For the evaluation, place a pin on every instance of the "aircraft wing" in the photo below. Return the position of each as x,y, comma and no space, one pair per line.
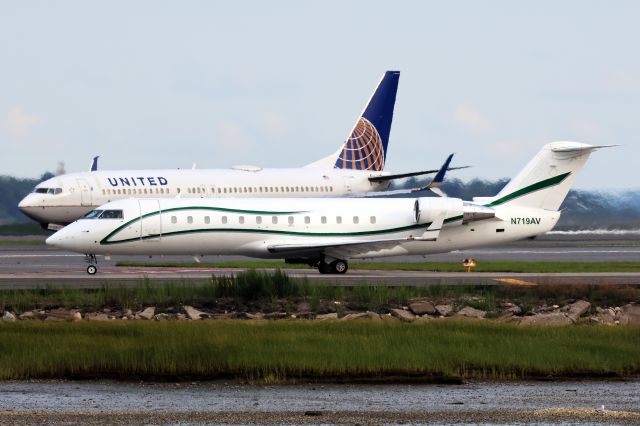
341,248
338,248
406,175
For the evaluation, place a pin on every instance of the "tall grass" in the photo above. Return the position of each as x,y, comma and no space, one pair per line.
312,350
262,287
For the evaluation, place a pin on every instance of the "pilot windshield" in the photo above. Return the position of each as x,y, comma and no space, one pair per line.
92,214
51,191
111,214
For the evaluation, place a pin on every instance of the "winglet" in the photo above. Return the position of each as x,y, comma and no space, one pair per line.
439,177
94,163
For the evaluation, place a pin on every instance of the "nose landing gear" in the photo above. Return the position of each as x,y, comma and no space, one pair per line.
93,261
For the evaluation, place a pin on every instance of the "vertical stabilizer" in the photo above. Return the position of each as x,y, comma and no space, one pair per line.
366,146
547,178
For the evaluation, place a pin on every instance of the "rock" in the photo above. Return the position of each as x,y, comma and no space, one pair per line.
76,316
324,317
304,307
577,309
194,314
605,316
8,316
444,310
59,315
356,315
470,312
550,319
147,313
162,317
97,317
276,315
27,315
629,314
509,310
422,307
247,315
403,315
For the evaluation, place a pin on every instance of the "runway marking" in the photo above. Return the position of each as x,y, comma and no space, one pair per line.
514,281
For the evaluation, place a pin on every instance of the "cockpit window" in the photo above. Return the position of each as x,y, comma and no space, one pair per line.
111,214
92,214
51,191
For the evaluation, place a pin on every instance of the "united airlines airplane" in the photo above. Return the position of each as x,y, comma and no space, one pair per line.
327,232
357,167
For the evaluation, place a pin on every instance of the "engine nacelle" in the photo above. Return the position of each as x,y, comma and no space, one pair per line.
429,209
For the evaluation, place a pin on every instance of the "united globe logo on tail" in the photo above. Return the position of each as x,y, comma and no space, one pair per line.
363,149
366,146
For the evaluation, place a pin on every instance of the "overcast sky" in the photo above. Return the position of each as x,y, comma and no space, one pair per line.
151,84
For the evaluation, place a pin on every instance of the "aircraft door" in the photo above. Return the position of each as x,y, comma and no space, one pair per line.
85,192
150,220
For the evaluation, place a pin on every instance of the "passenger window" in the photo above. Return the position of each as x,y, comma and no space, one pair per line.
372,219
274,219
338,219
241,220
224,219
178,190
207,220
174,219
104,192
331,188
323,219
307,220
356,220
189,219
290,220
258,220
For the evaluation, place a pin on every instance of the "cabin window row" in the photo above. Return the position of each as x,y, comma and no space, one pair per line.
274,220
225,190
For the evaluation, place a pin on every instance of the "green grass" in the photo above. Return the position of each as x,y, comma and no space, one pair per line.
18,242
23,229
312,350
275,290
483,266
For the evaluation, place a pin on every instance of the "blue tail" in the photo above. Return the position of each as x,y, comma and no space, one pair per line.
366,147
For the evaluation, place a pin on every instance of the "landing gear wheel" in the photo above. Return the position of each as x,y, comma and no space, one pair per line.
339,266
91,270
324,268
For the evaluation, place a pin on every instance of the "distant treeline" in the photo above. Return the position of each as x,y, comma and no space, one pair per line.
581,209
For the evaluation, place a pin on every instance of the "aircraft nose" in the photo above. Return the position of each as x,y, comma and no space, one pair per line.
56,240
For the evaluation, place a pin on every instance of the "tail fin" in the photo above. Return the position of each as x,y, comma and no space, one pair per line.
366,146
546,180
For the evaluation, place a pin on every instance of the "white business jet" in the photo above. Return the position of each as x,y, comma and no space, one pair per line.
327,232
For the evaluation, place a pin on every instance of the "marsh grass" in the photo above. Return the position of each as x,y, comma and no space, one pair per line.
280,350
264,288
483,266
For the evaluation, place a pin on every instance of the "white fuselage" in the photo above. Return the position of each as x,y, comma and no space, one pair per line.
63,199
254,227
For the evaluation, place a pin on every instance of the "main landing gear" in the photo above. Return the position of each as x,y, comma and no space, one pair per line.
338,266
93,261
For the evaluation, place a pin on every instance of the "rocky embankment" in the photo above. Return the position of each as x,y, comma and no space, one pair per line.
576,312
